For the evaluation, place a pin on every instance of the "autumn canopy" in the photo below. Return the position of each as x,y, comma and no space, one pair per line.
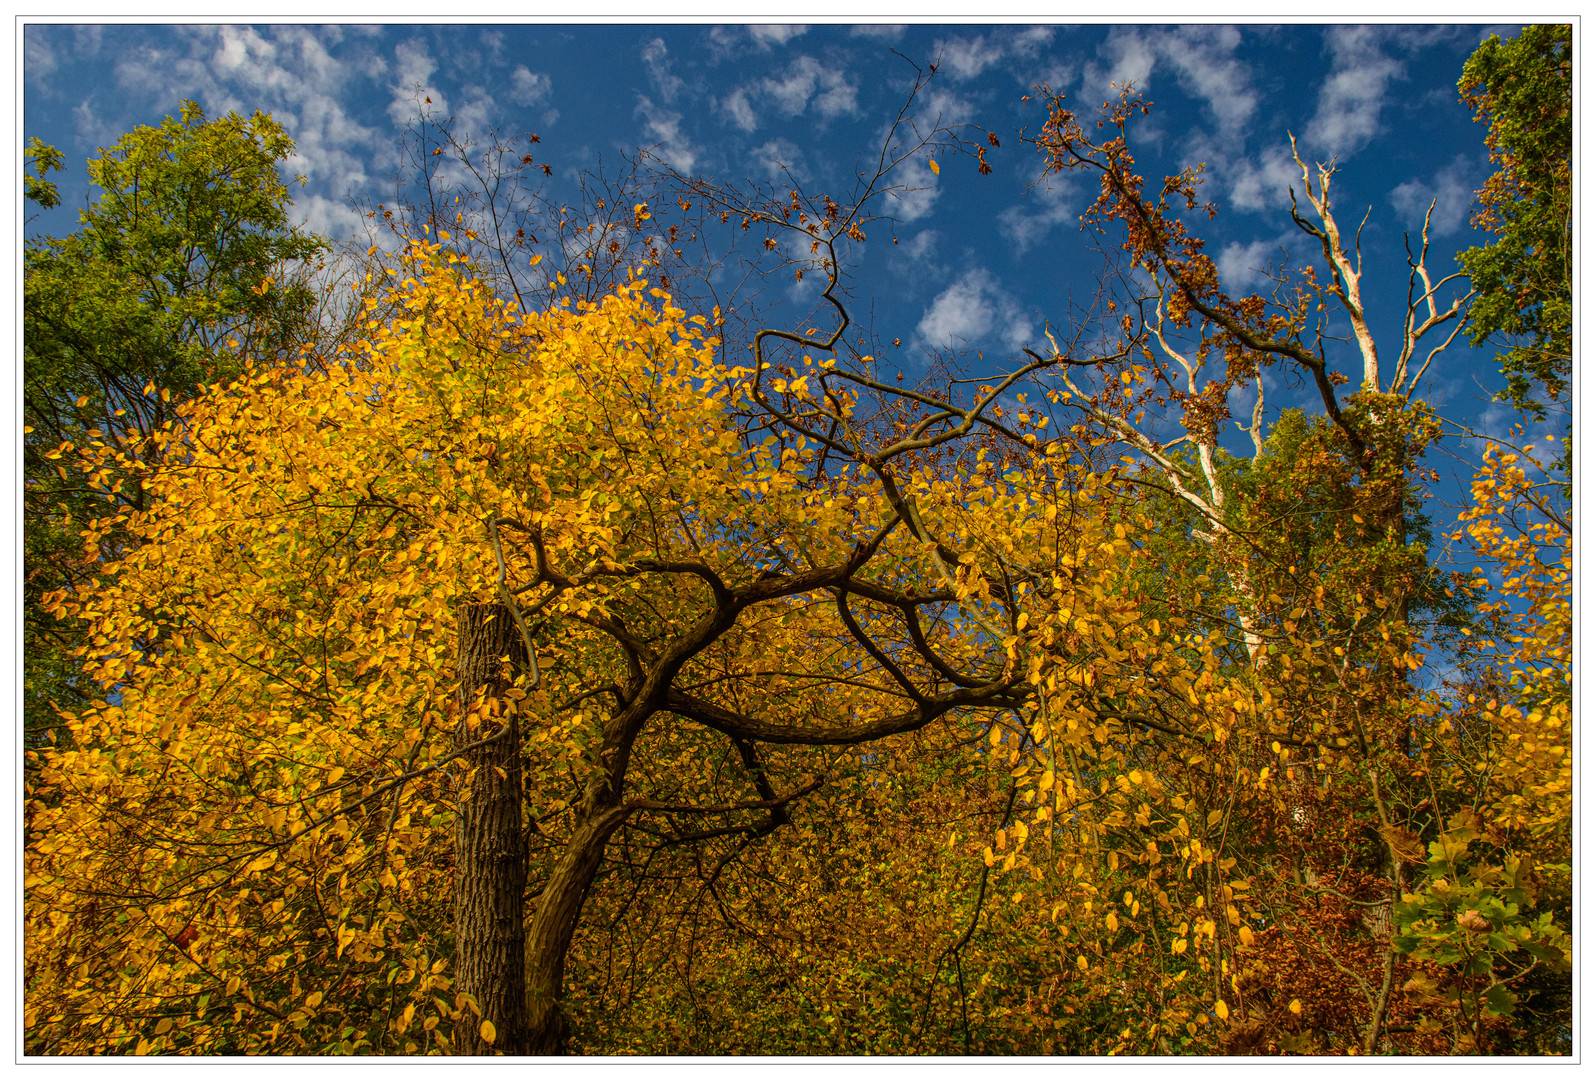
504,678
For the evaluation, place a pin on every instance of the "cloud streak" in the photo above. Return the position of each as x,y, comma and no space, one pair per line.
1352,97
972,309
1451,193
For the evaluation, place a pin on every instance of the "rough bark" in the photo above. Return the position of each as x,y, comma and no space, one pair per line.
490,848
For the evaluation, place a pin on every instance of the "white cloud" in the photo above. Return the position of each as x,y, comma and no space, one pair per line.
1262,184
961,314
1030,41
1239,265
838,95
965,58
529,87
1130,60
1500,420
91,128
657,60
1354,93
913,193
1204,57
970,310
729,41
475,115
780,157
793,89
413,69
663,129
944,107
879,31
149,72
1453,196
1026,224
287,72
330,217
293,76
38,59
767,35
326,145
86,41
968,57
741,112
922,249
361,59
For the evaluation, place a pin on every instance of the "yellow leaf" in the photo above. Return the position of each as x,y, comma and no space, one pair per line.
487,1032
1222,1010
988,856
1295,1006
935,169
1080,962
1245,935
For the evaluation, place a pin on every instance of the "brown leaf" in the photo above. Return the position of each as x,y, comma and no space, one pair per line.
1405,842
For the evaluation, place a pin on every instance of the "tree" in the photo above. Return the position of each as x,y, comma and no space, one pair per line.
284,624
44,159
183,263
1523,90
789,707
1495,910
1328,568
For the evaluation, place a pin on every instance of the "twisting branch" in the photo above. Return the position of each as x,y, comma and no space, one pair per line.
508,599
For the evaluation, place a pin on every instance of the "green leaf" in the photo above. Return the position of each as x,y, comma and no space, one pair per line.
1499,1000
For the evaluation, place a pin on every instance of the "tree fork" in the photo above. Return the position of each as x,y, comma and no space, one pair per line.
490,848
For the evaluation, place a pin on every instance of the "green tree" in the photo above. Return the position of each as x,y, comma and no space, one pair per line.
43,159
1523,89
180,264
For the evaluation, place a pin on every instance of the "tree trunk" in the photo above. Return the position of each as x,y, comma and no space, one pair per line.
490,848
555,924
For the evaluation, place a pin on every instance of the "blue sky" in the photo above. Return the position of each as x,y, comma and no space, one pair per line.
980,262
